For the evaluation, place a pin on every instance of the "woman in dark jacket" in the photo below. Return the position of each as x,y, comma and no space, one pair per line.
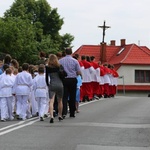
55,85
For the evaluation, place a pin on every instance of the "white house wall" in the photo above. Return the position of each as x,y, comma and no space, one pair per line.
128,73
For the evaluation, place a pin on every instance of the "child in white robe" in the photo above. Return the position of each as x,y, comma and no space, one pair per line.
6,84
14,73
40,88
33,103
21,89
4,67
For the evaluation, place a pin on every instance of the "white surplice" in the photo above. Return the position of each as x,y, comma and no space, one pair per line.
6,98
41,90
22,89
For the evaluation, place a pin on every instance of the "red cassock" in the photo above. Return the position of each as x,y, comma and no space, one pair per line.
102,73
106,81
86,89
96,79
115,78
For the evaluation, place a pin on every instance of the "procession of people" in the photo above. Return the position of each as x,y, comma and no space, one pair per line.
39,90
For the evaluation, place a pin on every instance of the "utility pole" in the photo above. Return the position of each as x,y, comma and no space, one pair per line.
104,27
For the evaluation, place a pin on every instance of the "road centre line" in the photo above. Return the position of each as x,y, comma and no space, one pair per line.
16,124
18,127
10,126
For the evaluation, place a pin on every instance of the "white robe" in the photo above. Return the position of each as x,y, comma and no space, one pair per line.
22,89
6,84
14,98
40,88
23,83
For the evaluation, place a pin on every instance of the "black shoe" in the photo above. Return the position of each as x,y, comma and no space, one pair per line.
105,96
37,113
72,116
51,120
112,95
41,119
100,96
87,99
60,118
45,115
3,120
14,113
18,118
84,98
64,116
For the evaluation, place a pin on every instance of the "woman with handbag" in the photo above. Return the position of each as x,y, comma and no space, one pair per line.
55,85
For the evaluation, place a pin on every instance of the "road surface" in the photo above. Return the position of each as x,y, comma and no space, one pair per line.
120,123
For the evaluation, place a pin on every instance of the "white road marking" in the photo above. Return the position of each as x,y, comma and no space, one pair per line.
16,124
21,122
18,127
93,101
98,147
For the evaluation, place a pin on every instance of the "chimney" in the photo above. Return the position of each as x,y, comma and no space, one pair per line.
123,42
112,42
103,52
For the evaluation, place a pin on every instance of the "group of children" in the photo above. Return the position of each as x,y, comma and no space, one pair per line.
22,94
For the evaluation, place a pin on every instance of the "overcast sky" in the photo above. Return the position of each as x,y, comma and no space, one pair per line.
128,19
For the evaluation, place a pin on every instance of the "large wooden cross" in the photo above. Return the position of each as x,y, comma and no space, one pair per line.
104,27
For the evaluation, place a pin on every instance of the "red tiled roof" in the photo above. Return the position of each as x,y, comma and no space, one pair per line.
117,55
89,50
132,54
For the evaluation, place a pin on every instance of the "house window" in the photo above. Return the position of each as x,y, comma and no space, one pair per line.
142,76
122,49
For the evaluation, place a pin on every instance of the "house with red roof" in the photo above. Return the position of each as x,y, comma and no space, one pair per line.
131,61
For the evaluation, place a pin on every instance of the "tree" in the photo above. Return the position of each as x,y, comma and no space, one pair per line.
31,26
39,11
66,41
17,38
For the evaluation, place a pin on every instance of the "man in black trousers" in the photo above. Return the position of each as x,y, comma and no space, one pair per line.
72,67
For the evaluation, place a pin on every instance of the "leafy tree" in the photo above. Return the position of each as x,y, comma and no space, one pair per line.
66,41
17,38
30,26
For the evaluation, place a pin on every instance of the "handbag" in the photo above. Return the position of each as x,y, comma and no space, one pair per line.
62,73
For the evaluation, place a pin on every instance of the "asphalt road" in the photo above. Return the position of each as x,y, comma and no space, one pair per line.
120,123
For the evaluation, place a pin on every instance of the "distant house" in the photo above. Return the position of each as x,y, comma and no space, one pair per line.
131,61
